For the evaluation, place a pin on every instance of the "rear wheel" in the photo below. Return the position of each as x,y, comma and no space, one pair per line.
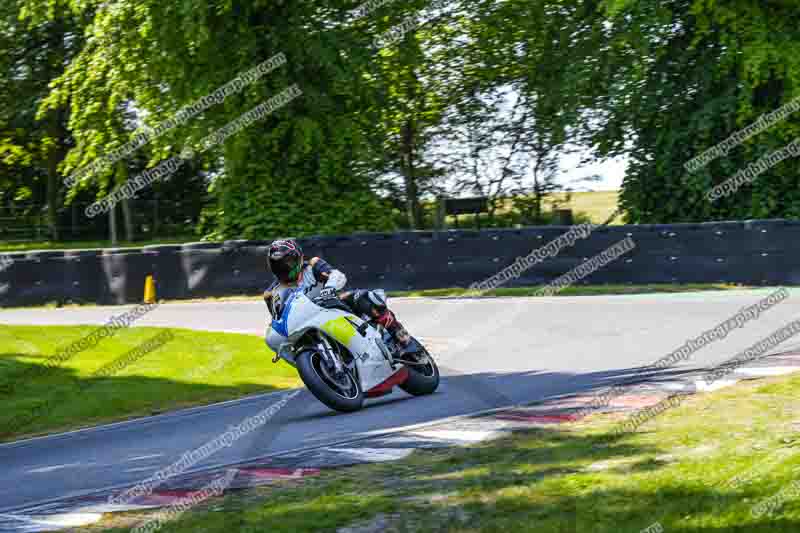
423,378
339,392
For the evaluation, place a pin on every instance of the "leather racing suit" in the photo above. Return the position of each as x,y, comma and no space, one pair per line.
317,277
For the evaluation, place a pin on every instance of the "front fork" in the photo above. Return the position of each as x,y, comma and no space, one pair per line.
284,346
326,350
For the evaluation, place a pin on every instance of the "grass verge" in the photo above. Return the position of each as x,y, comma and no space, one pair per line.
192,368
700,467
578,290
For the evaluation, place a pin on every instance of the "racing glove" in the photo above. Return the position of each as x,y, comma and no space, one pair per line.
336,280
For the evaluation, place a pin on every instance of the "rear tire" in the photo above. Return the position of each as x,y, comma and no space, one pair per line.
308,366
422,380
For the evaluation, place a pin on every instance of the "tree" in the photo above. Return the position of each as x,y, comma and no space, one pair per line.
518,114
292,173
32,146
687,75
416,80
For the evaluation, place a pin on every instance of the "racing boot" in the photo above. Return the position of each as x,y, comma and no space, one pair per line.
386,318
372,304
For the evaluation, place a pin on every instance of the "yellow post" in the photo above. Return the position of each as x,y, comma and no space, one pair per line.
149,290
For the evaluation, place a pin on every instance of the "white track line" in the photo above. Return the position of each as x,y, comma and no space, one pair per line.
702,386
768,370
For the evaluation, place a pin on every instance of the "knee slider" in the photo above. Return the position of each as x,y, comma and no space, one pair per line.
370,302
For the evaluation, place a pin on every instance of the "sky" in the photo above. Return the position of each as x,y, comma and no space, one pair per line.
612,170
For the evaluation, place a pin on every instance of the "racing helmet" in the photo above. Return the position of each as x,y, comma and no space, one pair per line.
285,260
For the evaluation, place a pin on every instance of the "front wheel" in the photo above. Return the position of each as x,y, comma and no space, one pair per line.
341,393
422,378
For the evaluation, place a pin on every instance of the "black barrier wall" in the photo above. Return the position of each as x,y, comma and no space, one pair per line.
762,252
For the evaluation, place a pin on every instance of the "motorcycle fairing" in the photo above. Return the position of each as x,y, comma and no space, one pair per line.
300,314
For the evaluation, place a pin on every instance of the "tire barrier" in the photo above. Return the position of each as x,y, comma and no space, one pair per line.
757,252
84,269
124,272
167,266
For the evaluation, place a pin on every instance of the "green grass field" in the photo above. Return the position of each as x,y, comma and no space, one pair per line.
194,368
597,205
698,468
576,290
593,206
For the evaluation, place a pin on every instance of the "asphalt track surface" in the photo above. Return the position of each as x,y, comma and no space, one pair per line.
493,353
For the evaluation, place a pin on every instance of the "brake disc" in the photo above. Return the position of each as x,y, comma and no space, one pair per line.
342,380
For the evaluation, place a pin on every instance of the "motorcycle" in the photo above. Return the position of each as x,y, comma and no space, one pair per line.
343,358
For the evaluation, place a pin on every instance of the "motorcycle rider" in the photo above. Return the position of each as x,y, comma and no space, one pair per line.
321,282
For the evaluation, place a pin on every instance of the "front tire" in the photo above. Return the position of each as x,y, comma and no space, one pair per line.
338,398
422,380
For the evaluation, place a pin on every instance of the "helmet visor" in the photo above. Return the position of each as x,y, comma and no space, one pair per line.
286,267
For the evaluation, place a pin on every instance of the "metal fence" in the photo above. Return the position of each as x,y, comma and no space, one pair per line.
150,219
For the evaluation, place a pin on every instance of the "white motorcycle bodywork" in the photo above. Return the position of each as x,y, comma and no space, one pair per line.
300,314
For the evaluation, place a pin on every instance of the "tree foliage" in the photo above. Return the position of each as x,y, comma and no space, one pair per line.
687,75
381,127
